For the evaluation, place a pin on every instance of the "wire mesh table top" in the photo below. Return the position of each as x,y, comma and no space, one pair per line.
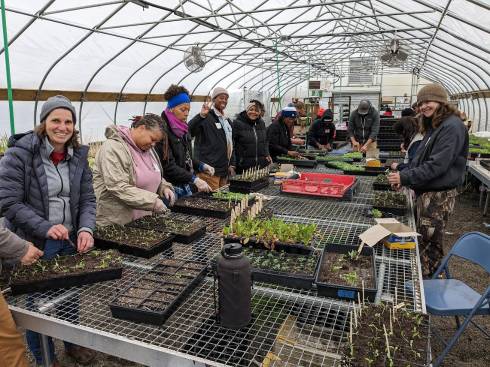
300,327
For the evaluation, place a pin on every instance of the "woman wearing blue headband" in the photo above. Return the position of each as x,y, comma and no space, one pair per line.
178,166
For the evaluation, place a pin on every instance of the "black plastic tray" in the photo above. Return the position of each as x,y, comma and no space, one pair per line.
135,251
295,248
397,210
345,291
485,164
66,281
285,279
154,317
246,187
381,187
307,163
182,237
214,213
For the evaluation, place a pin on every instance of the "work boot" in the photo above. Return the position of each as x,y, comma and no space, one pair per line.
80,354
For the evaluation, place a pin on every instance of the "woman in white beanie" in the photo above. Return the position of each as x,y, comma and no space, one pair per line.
213,143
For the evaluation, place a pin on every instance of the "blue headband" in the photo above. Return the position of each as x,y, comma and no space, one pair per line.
178,99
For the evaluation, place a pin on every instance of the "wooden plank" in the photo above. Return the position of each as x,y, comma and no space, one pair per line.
30,95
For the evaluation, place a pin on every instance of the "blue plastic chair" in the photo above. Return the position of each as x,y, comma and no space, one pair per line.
452,297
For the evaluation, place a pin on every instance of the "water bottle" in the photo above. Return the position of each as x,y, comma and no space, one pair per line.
234,287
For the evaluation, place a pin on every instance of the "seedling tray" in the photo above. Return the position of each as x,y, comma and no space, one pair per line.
395,208
162,223
284,278
162,244
209,196
320,184
204,207
381,187
248,186
293,248
153,308
57,279
307,163
485,164
345,291
368,171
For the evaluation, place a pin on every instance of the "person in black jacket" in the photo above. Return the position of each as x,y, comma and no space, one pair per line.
278,134
178,166
363,126
213,143
322,132
250,138
436,171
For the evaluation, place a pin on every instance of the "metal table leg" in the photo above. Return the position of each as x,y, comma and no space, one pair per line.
45,350
486,202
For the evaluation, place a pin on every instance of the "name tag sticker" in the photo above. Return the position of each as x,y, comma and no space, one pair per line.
218,125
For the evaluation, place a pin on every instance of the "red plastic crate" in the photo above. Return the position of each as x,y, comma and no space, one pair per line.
319,184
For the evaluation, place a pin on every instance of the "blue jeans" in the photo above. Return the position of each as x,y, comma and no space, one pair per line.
52,248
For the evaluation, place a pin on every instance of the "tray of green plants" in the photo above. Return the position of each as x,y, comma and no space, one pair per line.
345,273
158,293
283,268
333,158
203,206
391,202
355,156
299,162
381,183
384,335
232,197
184,231
250,180
134,241
271,233
67,271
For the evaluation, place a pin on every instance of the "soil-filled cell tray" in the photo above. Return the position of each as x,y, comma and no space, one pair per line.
133,241
375,328
485,164
282,268
231,197
381,183
342,271
307,163
247,187
157,294
368,171
67,271
184,231
204,207
390,202
319,184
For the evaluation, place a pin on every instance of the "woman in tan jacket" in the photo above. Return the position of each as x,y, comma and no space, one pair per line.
128,179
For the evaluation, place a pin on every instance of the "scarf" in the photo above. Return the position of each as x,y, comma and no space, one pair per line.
178,127
227,130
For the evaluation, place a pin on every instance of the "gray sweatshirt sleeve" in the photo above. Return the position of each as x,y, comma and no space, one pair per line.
11,245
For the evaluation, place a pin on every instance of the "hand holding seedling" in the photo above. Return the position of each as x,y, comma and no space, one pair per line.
394,178
32,255
85,242
58,232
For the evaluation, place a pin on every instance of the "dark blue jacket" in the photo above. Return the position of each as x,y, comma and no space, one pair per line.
322,131
24,189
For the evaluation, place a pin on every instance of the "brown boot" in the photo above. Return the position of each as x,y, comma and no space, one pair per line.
80,354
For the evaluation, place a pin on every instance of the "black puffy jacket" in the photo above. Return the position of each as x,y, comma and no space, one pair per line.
322,131
179,166
278,138
210,143
249,142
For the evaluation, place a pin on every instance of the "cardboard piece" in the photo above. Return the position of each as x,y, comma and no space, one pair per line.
286,167
383,228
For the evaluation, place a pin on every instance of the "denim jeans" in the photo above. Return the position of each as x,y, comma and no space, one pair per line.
52,248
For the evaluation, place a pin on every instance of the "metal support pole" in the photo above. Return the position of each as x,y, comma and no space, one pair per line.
7,69
45,350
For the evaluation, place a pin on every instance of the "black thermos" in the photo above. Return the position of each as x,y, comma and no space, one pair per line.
234,287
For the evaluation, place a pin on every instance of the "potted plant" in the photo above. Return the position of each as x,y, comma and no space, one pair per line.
67,271
133,241
184,231
346,273
157,294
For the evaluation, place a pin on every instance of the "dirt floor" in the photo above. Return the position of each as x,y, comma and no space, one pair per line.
472,349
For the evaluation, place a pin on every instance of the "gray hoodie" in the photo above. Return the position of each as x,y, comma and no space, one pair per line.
12,247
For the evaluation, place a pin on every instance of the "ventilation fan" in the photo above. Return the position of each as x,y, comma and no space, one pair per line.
194,58
394,55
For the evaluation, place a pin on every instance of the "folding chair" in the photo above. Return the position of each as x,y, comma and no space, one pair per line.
452,297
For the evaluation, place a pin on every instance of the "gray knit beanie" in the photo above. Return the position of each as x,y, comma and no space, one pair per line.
432,92
217,91
55,102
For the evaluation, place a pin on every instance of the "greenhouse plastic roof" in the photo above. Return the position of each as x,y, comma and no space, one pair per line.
138,46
